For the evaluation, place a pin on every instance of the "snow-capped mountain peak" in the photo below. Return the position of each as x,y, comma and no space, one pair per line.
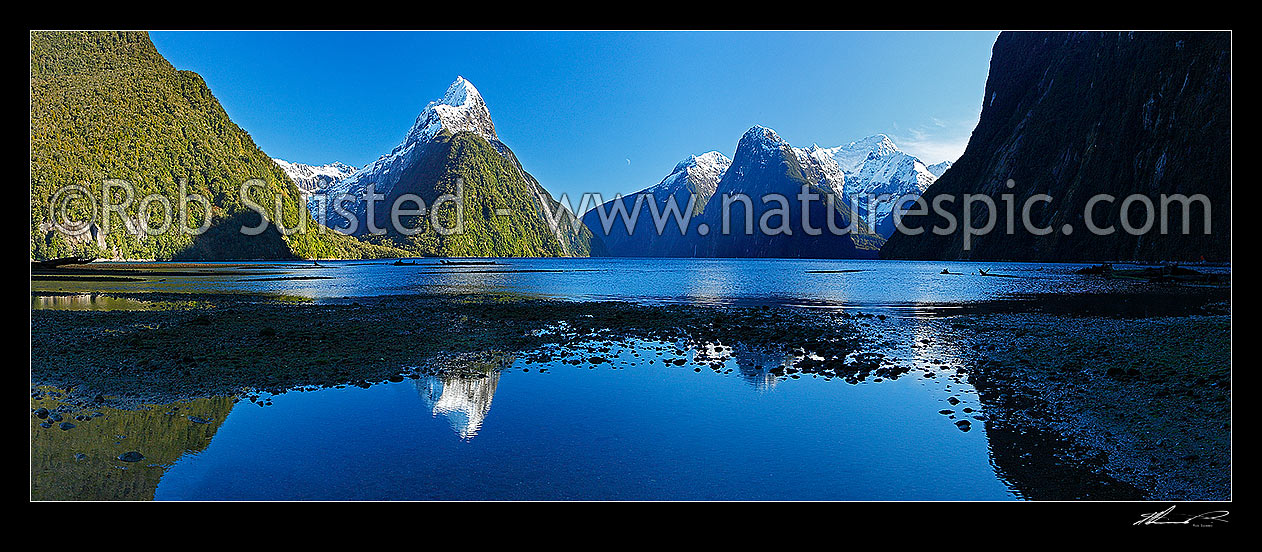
699,174
851,157
460,109
761,137
880,144
761,148
709,165
459,93
875,167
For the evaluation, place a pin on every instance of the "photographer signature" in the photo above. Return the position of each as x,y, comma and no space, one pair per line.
1199,520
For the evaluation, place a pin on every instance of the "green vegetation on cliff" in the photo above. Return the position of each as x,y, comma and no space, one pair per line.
503,214
107,106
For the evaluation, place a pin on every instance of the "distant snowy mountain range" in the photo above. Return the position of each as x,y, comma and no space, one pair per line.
855,173
311,178
858,173
863,175
874,167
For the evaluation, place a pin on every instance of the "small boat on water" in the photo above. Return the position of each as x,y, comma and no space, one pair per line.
467,263
402,262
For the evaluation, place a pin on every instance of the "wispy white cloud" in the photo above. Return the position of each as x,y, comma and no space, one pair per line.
936,140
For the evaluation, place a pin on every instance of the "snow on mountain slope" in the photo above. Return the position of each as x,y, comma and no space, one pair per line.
460,109
451,134
938,168
762,146
695,178
863,169
851,157
698,174
771,173
313,178
874,167
831,177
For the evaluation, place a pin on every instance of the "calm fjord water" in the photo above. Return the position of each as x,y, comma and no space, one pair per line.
791,282
643,432
632,429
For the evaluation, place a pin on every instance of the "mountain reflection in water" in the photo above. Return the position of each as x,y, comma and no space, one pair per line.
464,400
82,463
754,365
650,420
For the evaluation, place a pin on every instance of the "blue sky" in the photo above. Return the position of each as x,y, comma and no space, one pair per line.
595,112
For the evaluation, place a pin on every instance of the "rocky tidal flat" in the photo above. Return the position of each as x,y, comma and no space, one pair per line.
1076,403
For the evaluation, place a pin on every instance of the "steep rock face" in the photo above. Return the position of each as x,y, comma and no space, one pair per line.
692,182
1073,115
452,148
765,166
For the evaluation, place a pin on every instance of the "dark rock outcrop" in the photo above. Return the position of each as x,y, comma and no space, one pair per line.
1073,115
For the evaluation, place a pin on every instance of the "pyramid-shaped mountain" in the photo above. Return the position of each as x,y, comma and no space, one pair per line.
765,168
452,148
